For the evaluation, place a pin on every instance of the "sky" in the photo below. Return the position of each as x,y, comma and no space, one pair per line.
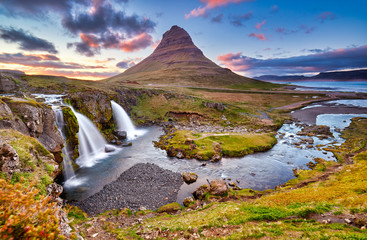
96,39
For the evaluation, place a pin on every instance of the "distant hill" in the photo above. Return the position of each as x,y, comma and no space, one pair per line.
355,75
177,61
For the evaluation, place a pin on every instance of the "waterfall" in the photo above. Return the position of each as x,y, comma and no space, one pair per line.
124,122
68,169
91,142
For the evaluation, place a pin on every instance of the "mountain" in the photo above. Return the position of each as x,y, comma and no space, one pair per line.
177,61
354,75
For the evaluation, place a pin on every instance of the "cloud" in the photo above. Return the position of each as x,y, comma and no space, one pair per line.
239,19
322,17
348,58
26,40
307,29
210,4
98,23
140,42
259,25
302,28
259,36
217,19
42,61
125,64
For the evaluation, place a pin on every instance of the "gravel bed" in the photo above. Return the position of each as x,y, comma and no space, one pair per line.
144,185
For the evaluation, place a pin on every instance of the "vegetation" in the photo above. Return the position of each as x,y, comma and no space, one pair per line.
27,214
206,145
71,129
35,160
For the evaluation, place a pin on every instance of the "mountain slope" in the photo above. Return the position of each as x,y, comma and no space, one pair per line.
177,61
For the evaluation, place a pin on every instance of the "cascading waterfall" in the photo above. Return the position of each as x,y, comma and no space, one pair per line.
124,122
91,142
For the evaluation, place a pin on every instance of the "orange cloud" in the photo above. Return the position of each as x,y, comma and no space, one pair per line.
140,42
229,56
90,40
259,36
259,25
209,4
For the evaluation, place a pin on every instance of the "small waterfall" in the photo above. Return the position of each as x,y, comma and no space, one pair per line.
124,122
68,169
91,143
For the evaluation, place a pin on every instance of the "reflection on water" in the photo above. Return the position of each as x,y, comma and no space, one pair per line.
258,171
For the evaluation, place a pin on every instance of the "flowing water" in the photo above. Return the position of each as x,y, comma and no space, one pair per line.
124,122
258,171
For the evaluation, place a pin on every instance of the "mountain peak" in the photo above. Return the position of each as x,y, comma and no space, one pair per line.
177,60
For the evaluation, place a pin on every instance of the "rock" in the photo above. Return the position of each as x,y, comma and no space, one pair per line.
189,177
201,191
216,157
180,155
121,135
189,141
347,220
188,201
170,208
9,160
218,187
54,190
129,144
218,106
7,83
109,148
171,152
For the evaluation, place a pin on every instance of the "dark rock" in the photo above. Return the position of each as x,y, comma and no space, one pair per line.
201,191
121,135
189,177
180,155
7,83
188,201
129,144
54,190
9,160
218,187
216,157
171,152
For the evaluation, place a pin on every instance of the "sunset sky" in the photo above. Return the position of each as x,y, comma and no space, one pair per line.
95,39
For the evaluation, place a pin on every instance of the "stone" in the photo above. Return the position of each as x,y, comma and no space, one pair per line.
189,177
189,141
180,155
121,135
218,187
129,144
201,191
188,201
9,160
216,157
54,190
109,148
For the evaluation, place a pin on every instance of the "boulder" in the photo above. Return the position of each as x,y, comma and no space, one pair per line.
188,201
180,155
9,160
189,177
201,191
216,157
218,187
54,190
109,148
121,135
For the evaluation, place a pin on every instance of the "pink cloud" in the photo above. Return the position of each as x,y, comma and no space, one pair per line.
90,40
326,16
229,56
259,25
259,36
140,42
209,4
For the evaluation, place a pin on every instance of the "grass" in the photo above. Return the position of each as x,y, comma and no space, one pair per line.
206,145
36,163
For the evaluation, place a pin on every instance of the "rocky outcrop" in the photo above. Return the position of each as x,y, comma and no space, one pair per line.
32,119
9,80
70,130
9,160
218,187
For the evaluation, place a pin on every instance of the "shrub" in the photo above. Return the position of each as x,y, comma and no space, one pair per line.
25,214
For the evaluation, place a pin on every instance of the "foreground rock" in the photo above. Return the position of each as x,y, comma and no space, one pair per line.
189,177
143,185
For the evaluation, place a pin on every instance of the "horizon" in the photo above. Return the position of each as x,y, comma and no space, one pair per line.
99,39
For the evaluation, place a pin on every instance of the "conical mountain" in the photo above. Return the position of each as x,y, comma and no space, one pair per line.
177,61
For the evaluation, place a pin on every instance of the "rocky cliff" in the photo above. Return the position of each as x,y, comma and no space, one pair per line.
33,119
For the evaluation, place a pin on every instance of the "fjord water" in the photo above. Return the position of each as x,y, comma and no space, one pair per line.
335,86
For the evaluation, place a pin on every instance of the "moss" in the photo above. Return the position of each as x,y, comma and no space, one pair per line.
169,208
70,130
206,145
32,157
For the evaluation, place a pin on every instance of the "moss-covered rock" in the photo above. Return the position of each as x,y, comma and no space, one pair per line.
170,208
70,130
